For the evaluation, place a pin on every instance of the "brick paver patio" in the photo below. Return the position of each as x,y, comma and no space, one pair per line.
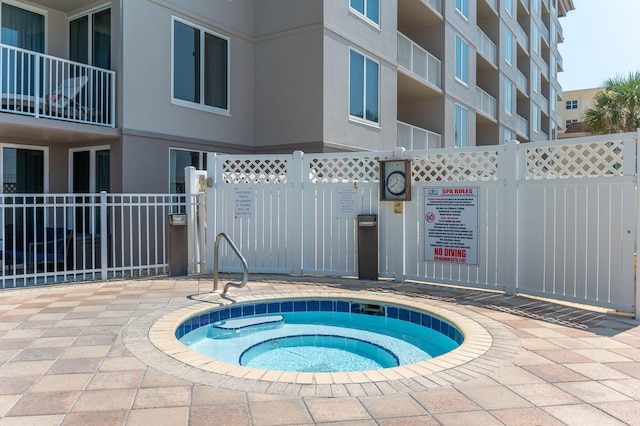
80,354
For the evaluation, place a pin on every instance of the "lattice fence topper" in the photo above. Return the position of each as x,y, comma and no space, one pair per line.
269,170
456,166
579,160
344,169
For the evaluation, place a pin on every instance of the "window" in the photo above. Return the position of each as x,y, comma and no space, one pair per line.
90,39
461,121
509,135
536,39
508,47
508,6
200,68
462,6
363,87
536,6
569,122
24,171
462,60
370,9
535,78
573,104
90,169
508,97
178,160
535,118
552,99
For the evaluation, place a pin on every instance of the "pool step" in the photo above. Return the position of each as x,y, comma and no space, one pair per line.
238,323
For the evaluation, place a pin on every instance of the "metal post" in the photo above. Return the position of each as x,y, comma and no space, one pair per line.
103,236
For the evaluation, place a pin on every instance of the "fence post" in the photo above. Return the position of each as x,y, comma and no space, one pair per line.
511,167
214,172
104,267
202,228
295,178
637,230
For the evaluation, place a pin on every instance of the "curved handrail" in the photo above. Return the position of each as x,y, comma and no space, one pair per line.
245,277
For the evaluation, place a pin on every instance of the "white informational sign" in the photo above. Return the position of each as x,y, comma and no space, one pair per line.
451,225
346,203
244,204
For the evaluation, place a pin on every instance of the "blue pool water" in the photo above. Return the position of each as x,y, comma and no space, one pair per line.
319,336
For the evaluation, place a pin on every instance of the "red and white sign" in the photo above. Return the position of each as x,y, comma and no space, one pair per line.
451,225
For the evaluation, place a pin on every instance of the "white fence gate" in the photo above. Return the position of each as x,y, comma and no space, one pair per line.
556,219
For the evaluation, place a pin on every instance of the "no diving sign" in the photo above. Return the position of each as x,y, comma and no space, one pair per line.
451,225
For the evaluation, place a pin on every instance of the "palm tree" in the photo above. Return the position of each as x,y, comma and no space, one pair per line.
616,108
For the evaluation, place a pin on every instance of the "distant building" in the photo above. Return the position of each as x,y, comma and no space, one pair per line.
572,107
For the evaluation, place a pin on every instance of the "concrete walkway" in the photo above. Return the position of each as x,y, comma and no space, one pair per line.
80,354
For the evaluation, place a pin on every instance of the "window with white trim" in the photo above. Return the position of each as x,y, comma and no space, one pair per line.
369,9
572,104
535,118
536,39
535,78
462,60
461,126
508,46
552,99
568,122
200,68
462,6
364,77
508,97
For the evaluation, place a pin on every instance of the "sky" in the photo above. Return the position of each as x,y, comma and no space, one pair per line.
601,41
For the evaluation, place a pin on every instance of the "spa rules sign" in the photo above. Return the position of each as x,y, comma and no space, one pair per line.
451,225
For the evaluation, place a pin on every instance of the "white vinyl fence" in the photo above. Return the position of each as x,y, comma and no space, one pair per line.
555,219
48,238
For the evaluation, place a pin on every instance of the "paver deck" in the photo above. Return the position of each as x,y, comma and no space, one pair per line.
81,354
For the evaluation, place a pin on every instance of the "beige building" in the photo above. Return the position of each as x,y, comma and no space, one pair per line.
572,107
121,95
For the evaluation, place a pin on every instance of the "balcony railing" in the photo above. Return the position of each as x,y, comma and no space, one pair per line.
523,39
487,48
545,33
485,103
418,61
412,137
522,126
44,86
521,82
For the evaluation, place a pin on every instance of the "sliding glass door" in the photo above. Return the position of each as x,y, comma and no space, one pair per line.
23,29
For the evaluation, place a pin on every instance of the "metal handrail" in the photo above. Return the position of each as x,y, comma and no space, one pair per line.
245,277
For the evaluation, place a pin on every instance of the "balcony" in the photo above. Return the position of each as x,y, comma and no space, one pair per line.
522,127
487,48
418,62
416,13
493,4
43,86
485,103
412,137
434,4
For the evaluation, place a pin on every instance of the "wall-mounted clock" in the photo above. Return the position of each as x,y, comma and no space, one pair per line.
395,180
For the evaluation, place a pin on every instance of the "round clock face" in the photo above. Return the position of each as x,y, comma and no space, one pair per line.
396,183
